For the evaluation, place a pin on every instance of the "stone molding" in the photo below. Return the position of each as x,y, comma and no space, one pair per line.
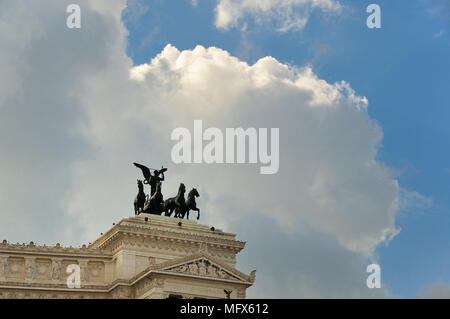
51,250
167,231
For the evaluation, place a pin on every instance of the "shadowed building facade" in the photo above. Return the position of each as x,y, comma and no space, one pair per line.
146,256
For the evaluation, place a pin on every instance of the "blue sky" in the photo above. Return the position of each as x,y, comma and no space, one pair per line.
402,68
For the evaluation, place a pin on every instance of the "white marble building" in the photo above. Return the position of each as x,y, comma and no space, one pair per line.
146,256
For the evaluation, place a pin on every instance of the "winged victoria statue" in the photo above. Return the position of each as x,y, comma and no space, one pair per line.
154,203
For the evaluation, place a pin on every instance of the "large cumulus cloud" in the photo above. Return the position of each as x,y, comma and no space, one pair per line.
328,173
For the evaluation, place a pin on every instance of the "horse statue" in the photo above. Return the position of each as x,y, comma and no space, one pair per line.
190,205
176,203
155,204
139,200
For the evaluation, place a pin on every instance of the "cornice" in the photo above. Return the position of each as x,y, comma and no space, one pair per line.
135,227
52,251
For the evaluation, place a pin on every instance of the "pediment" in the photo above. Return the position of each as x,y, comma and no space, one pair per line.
204,266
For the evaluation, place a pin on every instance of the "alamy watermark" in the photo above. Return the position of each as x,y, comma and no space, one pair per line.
374,19
74,278
74,19
374,279
236,145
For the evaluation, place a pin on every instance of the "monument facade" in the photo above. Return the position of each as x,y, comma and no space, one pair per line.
144,256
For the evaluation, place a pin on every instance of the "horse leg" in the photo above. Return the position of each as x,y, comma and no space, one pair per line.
136,209
180,212
170,209
198,213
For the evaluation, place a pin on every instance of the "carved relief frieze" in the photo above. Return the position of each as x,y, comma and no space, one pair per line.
205,268
56,270
30,269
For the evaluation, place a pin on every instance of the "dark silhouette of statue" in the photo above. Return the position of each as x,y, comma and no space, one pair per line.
190,205
176,203
152,180
155,179
155,204
145,171
228,293
139,200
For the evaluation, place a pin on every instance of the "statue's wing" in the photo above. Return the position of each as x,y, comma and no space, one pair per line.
145,170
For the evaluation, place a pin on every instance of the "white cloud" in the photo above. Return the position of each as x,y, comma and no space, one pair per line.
286,14
135,10
410,200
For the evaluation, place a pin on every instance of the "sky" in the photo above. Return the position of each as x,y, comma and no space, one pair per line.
363,117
